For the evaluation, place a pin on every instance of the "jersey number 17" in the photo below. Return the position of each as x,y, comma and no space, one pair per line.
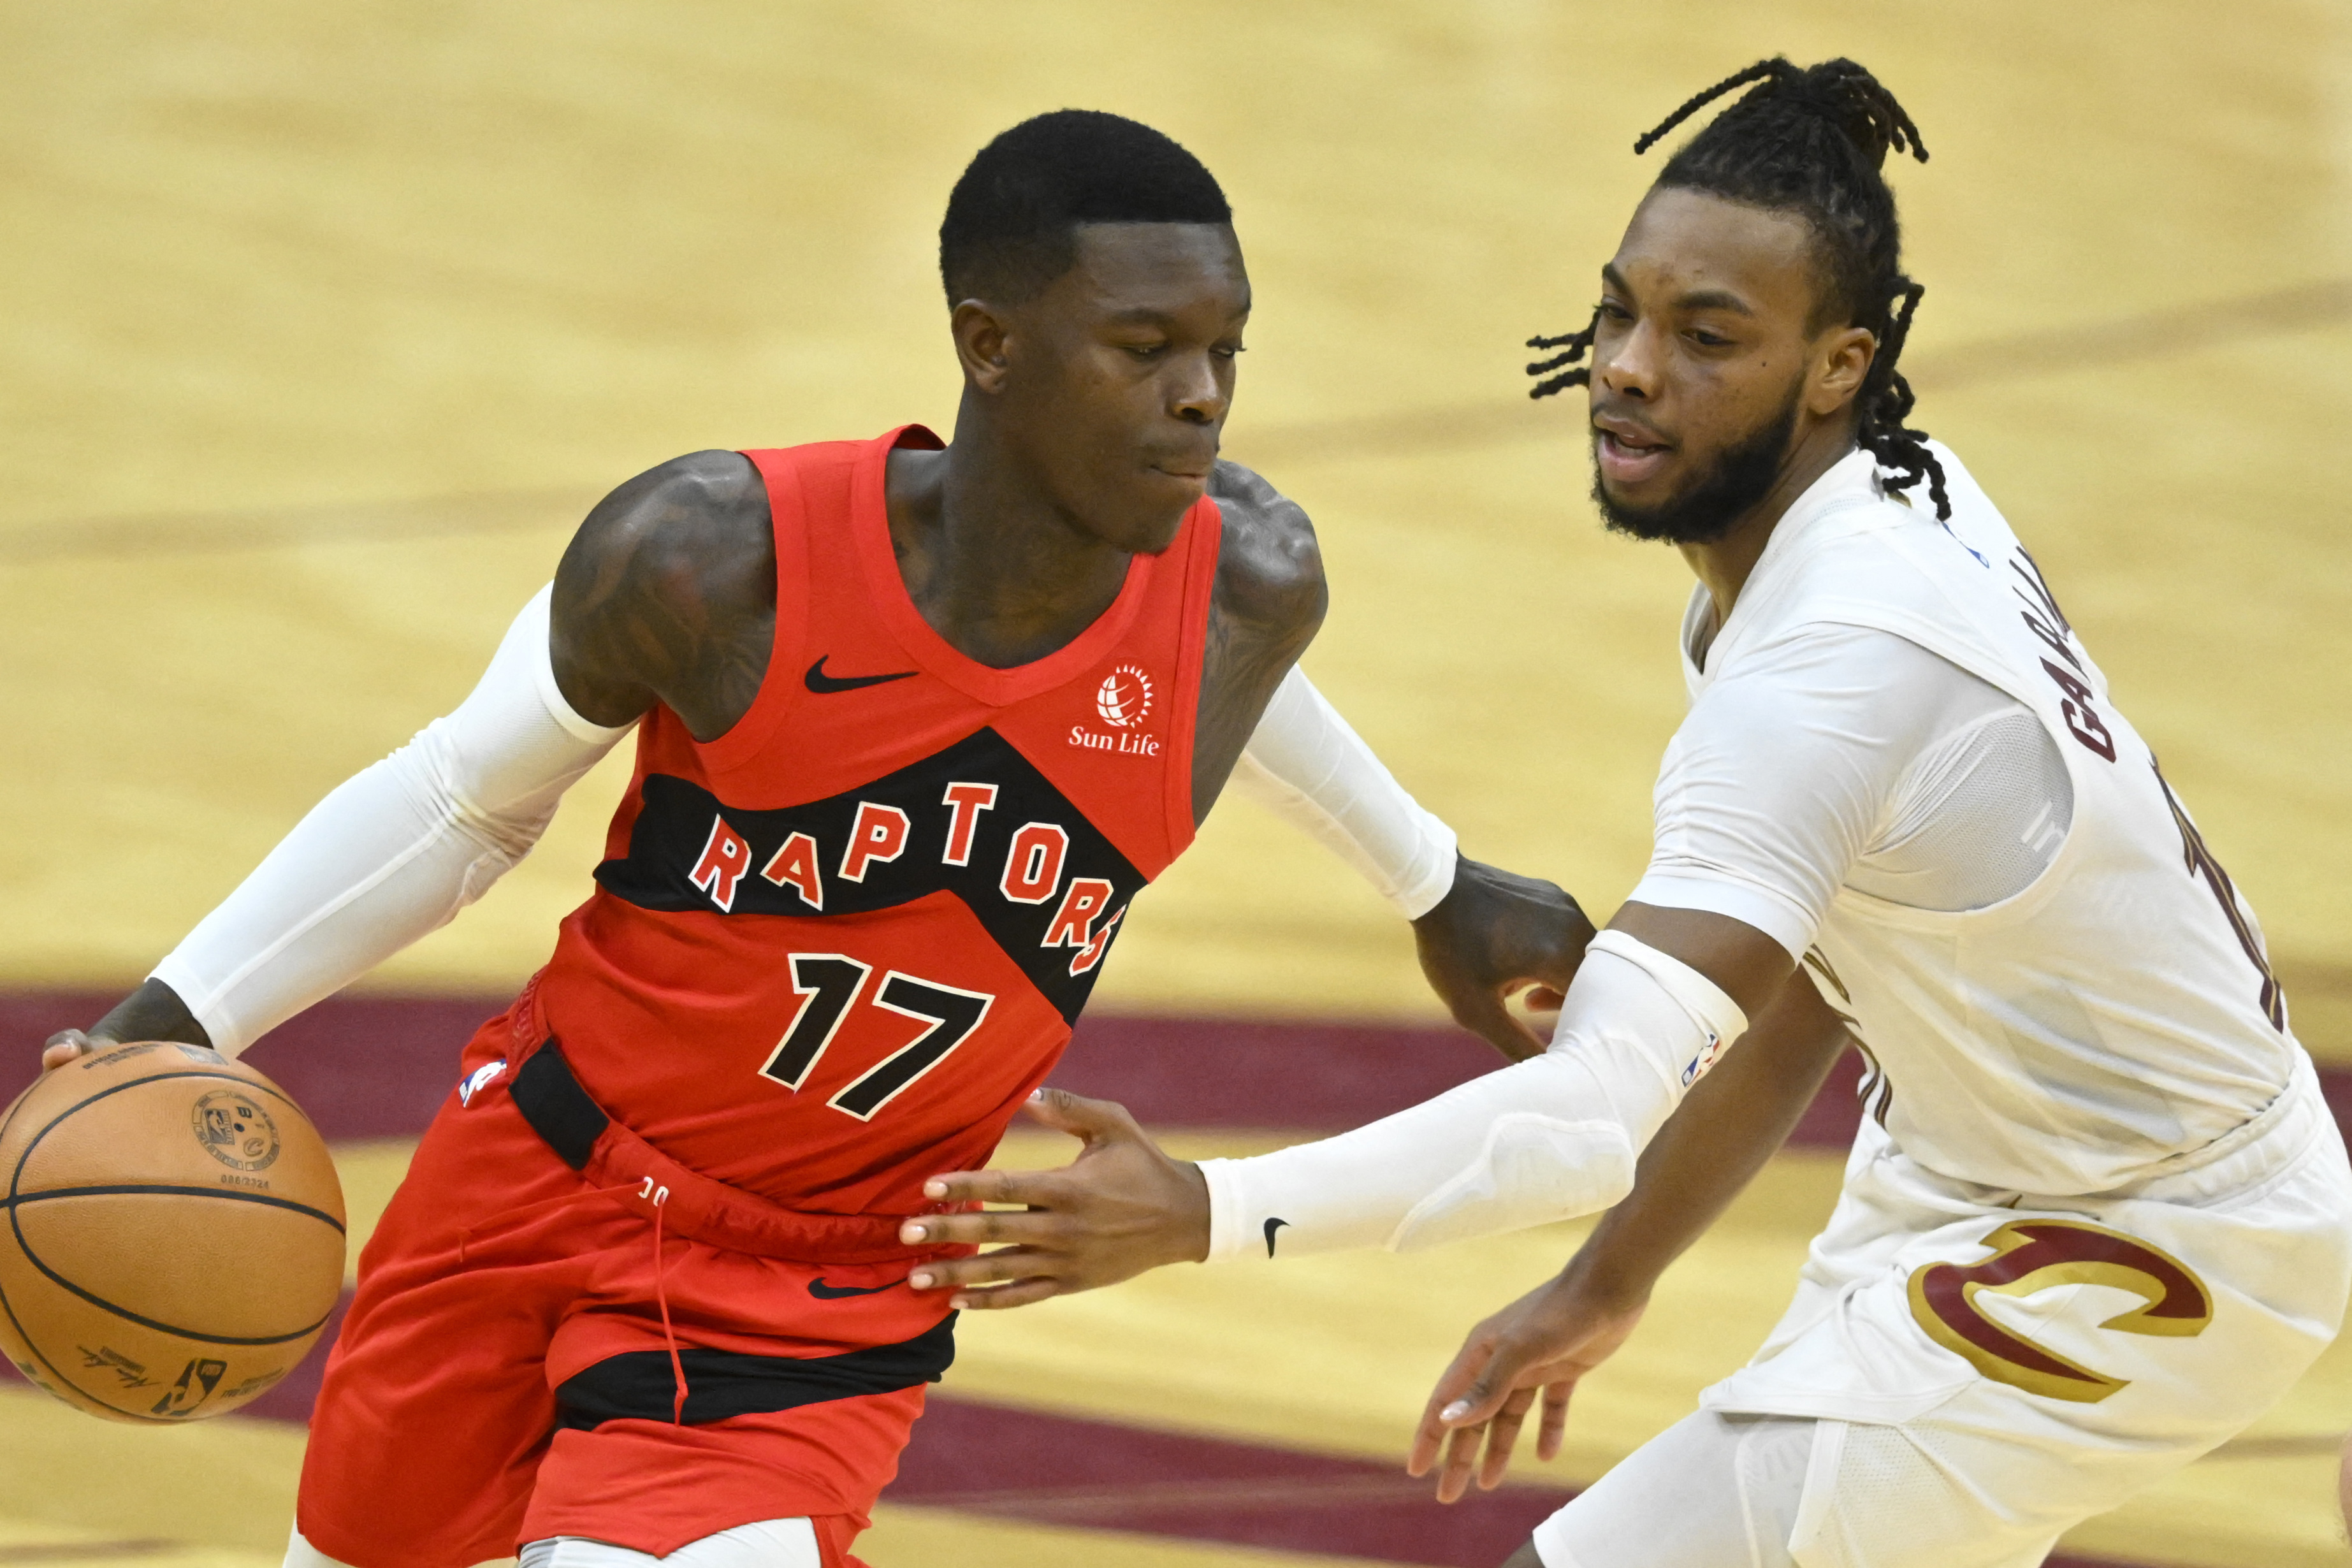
829,985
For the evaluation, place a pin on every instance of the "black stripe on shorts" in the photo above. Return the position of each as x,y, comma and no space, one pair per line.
639,1386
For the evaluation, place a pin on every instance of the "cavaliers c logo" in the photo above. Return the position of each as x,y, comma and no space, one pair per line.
2034,1255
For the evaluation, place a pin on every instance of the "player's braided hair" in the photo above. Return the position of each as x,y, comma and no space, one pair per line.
1811,140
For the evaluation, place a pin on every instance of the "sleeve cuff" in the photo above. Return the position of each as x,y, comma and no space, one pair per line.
537,623
219,1027
1441,849
1229,1241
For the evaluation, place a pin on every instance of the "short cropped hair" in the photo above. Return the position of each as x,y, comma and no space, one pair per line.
1011,221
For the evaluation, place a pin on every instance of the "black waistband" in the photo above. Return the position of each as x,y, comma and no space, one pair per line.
555,1105
639,1386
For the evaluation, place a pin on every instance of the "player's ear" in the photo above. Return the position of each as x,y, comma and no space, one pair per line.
1842,360
982,332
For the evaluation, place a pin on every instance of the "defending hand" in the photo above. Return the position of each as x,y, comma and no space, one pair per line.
1545,1341
1120,1207
1494,934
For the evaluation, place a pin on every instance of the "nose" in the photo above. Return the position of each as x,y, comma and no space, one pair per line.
1627,361
1201,389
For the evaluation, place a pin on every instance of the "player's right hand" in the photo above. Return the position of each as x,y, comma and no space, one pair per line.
1120,1207
154,1012
1542,1342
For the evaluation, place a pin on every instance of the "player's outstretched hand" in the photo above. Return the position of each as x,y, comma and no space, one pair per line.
1120,1207
1494,934
1541,1343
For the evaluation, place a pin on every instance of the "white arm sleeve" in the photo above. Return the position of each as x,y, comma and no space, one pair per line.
1305,764
395,852
1545,1139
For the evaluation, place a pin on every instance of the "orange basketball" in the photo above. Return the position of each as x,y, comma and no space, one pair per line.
174,1234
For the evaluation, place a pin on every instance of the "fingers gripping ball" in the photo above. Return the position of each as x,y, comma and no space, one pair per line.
173,1235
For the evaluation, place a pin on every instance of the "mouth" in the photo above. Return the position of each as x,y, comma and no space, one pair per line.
1627,452
1191,472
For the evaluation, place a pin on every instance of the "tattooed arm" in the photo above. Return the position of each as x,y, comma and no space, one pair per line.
667,594
1494,932
1267,607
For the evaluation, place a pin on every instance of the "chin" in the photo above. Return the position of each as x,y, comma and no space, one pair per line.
1140,529
1155,539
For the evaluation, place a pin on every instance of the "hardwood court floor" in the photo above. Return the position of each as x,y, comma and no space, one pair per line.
324,324
1327,1355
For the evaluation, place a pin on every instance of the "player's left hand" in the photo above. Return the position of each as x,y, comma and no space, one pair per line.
1541,1343
1120,1207
1494,935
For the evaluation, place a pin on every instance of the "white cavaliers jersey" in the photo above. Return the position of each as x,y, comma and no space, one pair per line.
2117,1013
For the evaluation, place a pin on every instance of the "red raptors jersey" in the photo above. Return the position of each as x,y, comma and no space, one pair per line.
831,951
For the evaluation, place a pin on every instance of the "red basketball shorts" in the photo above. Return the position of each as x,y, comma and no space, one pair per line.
504,1374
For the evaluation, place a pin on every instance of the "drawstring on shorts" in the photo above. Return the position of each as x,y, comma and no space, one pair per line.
650,1192
659,1197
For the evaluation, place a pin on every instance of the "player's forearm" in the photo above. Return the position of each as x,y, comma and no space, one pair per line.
391,853
1731,1122
1306,764
367,872
1545,1139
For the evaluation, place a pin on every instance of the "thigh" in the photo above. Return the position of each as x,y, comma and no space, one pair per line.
1747,1491
765,1544
1928,1495
1710,1491
656,1486
802,1386
435,1408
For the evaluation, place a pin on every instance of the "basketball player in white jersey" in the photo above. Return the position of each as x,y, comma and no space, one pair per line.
2098,1217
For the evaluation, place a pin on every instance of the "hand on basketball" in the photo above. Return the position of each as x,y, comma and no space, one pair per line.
1544,1342
154,1012
1120,1207
1494,935
71,1046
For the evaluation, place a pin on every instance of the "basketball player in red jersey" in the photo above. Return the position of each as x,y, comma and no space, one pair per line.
916,722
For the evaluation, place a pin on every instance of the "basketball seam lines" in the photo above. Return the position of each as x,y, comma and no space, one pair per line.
10,1205
230,1194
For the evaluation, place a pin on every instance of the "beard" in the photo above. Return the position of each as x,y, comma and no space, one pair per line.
1741,475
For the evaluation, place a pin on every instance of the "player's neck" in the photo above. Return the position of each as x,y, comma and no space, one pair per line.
1725,562
992,563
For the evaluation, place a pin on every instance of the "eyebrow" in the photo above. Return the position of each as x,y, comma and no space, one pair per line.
1699,300
1150,316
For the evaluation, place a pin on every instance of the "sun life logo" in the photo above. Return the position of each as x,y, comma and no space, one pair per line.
1124,698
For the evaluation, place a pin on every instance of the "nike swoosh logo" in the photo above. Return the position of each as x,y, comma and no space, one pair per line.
1271,1227
823,1291
822,684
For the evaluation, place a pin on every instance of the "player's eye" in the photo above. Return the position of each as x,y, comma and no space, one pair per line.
1227,351
1146,351
1613,311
